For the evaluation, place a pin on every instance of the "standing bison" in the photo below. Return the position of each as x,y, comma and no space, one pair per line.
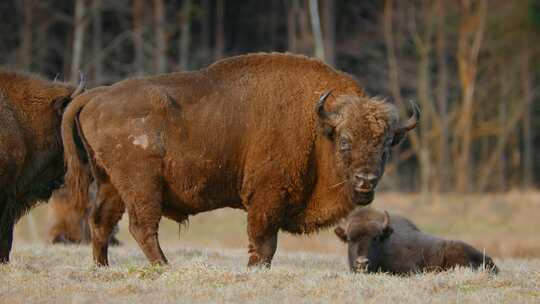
31,158
381,242
287,138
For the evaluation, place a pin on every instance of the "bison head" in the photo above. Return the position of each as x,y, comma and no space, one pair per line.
365,241
362,130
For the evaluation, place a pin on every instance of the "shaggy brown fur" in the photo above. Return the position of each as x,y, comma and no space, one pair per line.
31,163
243,133
398,246
68,225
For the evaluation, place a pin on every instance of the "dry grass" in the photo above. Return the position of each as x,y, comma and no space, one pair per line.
47,274
208,261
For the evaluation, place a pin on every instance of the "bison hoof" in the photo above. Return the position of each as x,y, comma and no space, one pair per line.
256,261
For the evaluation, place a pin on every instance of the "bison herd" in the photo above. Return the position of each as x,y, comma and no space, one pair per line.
296,144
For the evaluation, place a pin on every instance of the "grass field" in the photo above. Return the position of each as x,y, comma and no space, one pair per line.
208,260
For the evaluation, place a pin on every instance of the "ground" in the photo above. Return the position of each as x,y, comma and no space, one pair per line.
208,258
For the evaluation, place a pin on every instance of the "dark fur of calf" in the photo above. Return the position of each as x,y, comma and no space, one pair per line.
378,241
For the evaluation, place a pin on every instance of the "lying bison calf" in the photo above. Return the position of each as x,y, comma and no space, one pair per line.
390,243
69,225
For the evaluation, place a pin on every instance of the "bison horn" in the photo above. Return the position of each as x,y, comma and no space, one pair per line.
320,105
386,221
81,87
410,123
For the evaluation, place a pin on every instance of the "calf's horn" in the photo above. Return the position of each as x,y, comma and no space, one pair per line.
386,220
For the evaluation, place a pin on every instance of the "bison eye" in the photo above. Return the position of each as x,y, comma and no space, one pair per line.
344,144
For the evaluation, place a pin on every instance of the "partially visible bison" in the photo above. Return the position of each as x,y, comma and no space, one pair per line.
67,225
287,138
390,243
31,158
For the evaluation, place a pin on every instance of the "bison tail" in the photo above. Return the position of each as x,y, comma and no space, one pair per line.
77,178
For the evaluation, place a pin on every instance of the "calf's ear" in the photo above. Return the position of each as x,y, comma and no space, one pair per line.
387,232
340,232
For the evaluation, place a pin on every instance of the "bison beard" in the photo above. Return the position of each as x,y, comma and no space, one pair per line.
260,132
31,163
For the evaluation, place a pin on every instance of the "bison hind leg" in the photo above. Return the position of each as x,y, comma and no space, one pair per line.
107,210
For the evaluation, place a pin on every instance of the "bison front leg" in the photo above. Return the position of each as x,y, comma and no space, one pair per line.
6,230
6,239
264,217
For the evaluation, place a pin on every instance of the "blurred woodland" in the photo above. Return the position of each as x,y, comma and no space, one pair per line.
472,65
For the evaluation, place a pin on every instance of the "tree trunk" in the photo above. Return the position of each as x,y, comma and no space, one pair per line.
442,96
391,52
503,110
161,40
292,15
471,31
527,131
78,39
205,55
305,41
185,35
424,45
329,32
219,46
24,61
97,43
316,28
138,42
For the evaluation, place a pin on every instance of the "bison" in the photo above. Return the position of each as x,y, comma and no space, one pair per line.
287,138
390,243
68,225
31,158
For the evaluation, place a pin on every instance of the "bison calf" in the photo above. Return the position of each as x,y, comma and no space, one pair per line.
381,242
69,225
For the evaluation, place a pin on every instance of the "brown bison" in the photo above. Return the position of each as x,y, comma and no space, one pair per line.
31,158
381,242
69,225
249,132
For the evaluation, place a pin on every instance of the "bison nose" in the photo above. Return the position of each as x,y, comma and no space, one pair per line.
361,264
365,182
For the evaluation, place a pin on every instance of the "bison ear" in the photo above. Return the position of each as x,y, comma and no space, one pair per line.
387,232
60,104
398,137
341,234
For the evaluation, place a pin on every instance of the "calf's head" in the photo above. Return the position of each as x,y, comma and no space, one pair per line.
362,130
365,241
